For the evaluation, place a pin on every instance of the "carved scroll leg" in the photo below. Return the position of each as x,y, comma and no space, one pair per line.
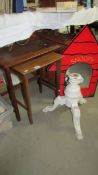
76,120
52,107
58,101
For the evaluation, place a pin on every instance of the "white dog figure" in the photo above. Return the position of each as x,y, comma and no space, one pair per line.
71,99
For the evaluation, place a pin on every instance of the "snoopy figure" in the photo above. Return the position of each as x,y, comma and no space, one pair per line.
71,99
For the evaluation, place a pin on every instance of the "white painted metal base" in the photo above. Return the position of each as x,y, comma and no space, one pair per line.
71,99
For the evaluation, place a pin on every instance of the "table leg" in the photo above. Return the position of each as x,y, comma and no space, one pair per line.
12,93
26,96
57,77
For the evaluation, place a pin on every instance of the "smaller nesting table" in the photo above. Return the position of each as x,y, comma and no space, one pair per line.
32,65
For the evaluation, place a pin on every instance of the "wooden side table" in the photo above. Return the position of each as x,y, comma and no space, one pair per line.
30,66
18,55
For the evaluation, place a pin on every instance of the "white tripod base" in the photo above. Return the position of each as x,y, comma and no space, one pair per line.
62,100
71,99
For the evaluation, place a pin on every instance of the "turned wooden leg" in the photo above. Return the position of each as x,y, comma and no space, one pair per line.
11,92
26,92
40,72
57,77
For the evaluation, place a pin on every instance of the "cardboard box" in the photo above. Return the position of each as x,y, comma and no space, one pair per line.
68,6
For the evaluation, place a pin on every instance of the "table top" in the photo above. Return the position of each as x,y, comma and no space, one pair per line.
55,36
22,53
35,64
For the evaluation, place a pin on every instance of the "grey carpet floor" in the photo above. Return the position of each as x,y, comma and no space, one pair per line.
49,146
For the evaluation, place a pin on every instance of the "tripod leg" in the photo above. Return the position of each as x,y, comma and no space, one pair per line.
76,121
58,101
